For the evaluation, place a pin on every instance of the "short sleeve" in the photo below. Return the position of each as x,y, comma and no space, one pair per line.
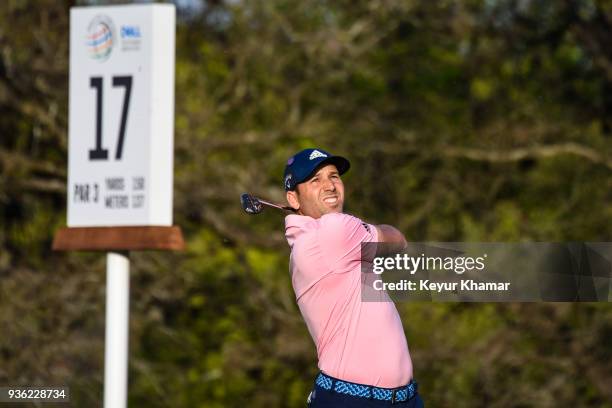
341,236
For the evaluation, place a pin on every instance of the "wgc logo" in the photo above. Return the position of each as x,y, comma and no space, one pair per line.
100,37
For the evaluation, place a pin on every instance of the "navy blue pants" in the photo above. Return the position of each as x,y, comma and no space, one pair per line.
322,398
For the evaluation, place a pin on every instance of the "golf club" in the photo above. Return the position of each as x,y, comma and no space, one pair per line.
254,205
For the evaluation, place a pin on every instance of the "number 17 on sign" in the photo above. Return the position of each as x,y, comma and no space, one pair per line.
99,153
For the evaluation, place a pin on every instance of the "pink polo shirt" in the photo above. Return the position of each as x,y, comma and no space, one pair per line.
361,342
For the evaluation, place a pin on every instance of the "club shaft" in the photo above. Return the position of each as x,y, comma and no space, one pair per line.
280,207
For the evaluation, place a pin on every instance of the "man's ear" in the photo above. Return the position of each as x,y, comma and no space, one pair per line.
293,200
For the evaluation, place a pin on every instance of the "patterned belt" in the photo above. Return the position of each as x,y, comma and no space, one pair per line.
394,395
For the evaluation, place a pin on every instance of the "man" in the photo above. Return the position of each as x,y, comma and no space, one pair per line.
362,350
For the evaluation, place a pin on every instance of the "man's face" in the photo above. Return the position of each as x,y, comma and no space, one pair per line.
323,193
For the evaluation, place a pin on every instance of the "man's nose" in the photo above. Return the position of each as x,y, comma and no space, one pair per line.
329,185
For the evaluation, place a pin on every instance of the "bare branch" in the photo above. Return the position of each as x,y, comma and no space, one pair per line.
500,156
10,160
226,230
45,186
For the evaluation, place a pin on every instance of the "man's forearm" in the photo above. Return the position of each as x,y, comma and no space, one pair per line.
392,237
390,234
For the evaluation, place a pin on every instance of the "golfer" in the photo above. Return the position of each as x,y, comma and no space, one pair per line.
362,350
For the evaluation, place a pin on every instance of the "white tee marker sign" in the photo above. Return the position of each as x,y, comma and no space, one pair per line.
121,118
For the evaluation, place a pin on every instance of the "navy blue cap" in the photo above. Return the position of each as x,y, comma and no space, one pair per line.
301,165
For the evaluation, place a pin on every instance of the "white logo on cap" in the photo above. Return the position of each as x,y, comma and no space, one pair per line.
315,154
288,181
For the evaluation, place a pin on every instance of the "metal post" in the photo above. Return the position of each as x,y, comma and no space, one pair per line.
117,324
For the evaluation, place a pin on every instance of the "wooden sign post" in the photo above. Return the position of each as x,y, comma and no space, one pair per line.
120,162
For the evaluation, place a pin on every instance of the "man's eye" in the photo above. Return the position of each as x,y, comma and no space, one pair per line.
314,180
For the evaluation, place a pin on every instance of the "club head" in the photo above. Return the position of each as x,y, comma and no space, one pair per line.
250,204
